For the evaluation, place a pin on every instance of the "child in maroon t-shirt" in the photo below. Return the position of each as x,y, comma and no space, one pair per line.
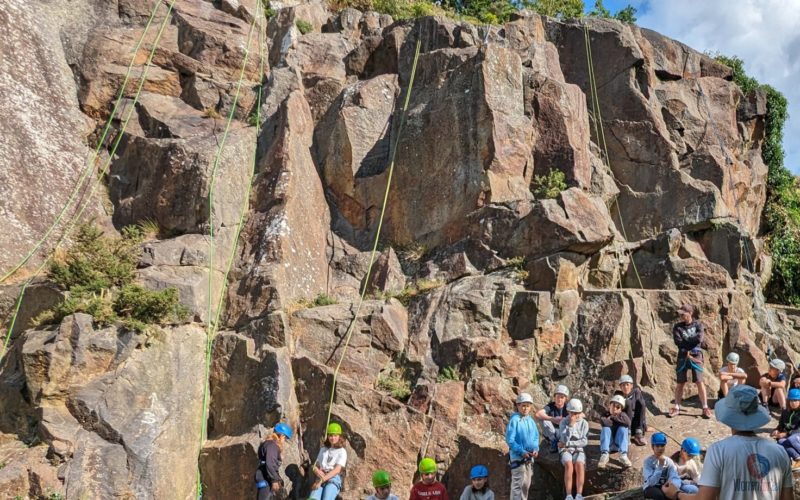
428,487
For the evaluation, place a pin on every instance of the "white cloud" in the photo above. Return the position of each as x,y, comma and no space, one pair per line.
764,33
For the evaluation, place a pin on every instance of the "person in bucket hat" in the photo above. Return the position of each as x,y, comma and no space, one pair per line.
744,465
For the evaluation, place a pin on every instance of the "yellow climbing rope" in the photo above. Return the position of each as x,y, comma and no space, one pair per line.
374,251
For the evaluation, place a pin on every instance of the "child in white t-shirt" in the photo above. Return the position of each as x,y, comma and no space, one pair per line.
689,465
731,375
328,466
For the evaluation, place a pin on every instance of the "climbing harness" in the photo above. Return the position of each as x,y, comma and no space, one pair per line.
91,162
77,217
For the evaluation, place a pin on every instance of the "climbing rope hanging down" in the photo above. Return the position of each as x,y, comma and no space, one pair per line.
95,185
91,162
212,325
597,119
365,284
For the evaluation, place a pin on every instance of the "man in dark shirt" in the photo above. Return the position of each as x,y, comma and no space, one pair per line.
688,336
635,408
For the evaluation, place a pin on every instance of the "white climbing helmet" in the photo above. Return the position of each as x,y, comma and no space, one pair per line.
524,397
562,389
575,406
732,358
617,398
625,379
778,364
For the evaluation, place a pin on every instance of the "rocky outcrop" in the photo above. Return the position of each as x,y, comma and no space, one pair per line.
491,276
110,419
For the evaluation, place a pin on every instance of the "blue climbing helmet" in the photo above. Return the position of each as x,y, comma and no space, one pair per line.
283,430
478,471
691,446
658,439
794,395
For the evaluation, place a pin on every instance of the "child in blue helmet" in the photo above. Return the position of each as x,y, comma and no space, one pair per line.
267,477
659,470
479,487
788,431
689,465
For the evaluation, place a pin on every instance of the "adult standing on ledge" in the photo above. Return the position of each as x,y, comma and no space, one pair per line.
688,336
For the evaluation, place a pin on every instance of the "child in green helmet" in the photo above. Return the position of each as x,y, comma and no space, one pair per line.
382,482
329,465
428,488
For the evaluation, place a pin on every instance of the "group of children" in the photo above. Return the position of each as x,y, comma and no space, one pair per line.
565,429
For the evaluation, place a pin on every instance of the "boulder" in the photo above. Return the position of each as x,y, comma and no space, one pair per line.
379,335
168,181
216,39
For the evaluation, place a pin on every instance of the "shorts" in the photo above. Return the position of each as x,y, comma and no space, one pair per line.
683,375
574,455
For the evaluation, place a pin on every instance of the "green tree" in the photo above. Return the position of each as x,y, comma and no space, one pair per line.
556,8
626,15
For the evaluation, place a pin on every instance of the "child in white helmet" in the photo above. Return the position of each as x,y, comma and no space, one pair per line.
731,375
773,384
615,431
551,416
573,435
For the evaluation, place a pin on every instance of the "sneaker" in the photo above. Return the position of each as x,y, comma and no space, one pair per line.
623,457
578,497
674,412
795,466
637,440
568,497
603,462
706,413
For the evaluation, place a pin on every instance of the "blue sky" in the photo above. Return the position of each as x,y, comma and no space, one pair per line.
764,33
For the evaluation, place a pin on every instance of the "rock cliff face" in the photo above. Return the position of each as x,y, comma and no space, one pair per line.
481,288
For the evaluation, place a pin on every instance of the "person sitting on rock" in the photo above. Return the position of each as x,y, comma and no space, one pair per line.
659,470
615,427
689,465
730,375
382,482
551,415
268,478
428,487
788,430
522,438
688,336
573,435
635,407
773,384
331,461
478,489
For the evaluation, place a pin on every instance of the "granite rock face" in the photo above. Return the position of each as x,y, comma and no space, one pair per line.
518,250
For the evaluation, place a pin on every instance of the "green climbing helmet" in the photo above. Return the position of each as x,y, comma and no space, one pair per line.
427,466
334,429
381,478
